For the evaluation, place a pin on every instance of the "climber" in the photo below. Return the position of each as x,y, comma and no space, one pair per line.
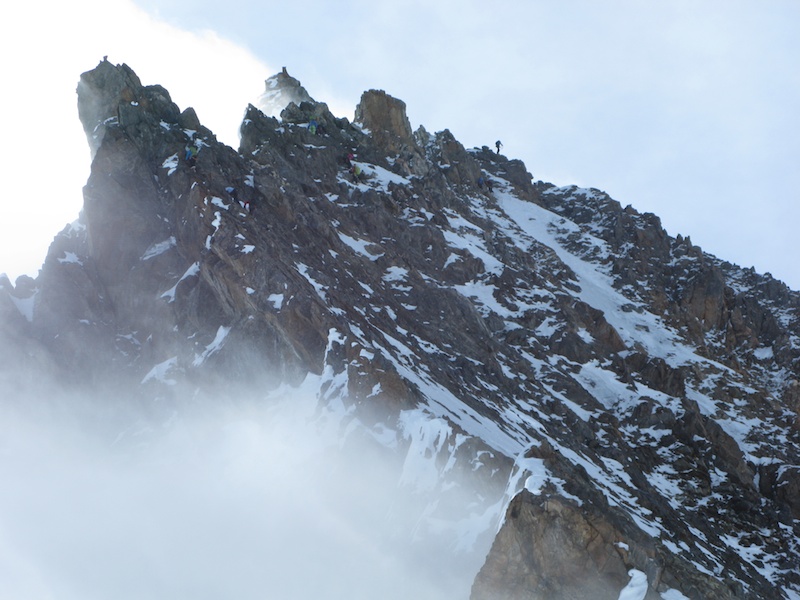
191,154
489,184
312,126
234,194
480,182
499,145
357,172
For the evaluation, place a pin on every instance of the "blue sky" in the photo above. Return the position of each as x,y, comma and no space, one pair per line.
684,109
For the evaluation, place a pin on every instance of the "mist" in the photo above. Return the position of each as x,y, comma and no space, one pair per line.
227,497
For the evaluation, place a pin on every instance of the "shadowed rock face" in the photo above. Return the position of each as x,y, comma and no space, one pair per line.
451,307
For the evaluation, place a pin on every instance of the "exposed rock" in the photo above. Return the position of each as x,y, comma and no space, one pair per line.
550,549
483,330
385,118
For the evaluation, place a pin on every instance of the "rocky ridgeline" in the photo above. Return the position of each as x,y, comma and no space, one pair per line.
636,397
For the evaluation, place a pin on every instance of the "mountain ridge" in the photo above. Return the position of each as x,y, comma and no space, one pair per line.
547,334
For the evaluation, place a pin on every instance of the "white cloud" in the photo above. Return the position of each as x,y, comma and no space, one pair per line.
243,497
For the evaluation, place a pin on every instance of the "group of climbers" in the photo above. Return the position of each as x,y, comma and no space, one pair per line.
315,126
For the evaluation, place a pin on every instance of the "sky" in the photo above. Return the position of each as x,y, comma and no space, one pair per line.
685,109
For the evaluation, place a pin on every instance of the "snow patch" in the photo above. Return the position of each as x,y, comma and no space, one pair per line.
213,347
359,246
159,248
161,371
70,258
193,270
636,588
25,306
170,163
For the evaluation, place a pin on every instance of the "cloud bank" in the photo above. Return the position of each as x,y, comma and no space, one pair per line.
223,499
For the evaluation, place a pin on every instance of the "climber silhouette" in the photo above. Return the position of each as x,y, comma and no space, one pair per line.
499,145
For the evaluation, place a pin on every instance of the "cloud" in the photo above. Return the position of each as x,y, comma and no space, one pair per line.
246,497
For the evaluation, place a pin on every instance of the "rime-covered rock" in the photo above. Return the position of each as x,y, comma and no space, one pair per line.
282,90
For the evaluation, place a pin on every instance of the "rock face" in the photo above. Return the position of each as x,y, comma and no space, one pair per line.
557,546
631,400
551,549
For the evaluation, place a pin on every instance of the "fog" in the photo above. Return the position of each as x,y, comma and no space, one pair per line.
246,497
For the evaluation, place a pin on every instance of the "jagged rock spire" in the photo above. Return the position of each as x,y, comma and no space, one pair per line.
281,90
385,118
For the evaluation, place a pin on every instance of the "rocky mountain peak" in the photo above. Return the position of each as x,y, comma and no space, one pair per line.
281,91
557,364
113,95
